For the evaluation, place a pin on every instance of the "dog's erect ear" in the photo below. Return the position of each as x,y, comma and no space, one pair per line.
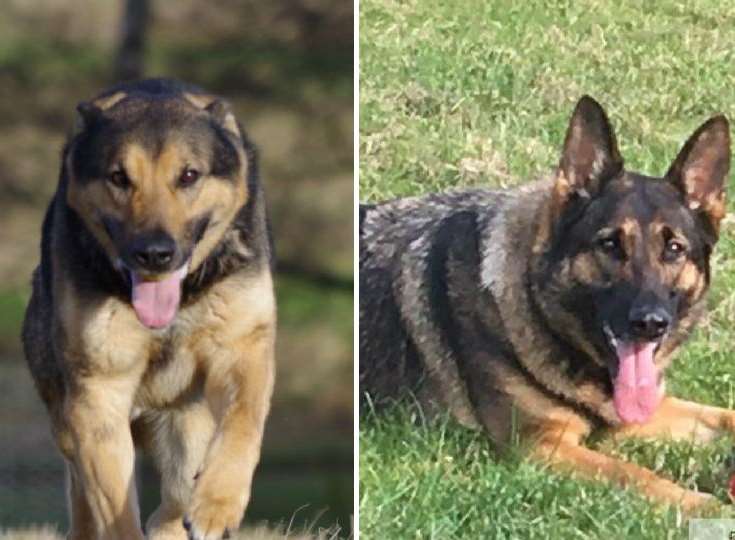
219,110
89,114
223,115
700,169
590,154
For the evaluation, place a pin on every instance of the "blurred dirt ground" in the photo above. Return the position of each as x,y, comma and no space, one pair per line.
287,68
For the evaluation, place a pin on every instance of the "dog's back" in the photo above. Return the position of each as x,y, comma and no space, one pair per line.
405,286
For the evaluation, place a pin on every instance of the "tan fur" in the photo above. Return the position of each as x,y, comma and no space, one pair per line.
154,200
683,420
713,204
690,280
560,449
716,206
200,101
86,200
559,442
585,268
226,339
110,101
561,191
187,430
630,227
225,202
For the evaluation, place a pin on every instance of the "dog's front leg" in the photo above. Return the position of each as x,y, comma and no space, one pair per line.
679,419
97,416
560,446
240,398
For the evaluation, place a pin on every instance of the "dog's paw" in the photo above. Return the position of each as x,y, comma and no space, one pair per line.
212,520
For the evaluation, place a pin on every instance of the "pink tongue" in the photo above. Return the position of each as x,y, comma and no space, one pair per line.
156,302
635,390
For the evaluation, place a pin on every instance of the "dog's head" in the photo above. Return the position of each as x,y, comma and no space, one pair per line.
627,256
158,180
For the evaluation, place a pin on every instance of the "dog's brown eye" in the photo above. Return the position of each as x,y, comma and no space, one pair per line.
189,177
610,244
674,248
119,179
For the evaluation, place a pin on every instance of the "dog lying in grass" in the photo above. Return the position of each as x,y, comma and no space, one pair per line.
551,310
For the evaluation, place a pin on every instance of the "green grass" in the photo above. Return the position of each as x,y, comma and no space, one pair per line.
460,94
12,309
433,479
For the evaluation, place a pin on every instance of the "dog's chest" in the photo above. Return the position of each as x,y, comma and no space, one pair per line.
181,357
172,376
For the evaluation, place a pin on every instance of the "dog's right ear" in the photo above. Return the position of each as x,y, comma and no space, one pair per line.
590,155
222,113
90,112
88,115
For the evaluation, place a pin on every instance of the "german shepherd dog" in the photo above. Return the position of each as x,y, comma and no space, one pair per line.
152,318
551,310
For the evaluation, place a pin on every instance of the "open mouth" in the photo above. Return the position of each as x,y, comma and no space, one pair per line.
156,299
635,385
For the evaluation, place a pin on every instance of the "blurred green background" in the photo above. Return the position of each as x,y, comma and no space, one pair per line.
287,68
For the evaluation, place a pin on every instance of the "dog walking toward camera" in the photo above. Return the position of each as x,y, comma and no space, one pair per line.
152,318
552,309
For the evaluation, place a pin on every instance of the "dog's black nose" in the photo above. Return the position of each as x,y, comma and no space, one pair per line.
649,322
154,252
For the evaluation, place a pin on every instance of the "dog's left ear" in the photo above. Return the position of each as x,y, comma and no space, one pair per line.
223,115
590,155
700,169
